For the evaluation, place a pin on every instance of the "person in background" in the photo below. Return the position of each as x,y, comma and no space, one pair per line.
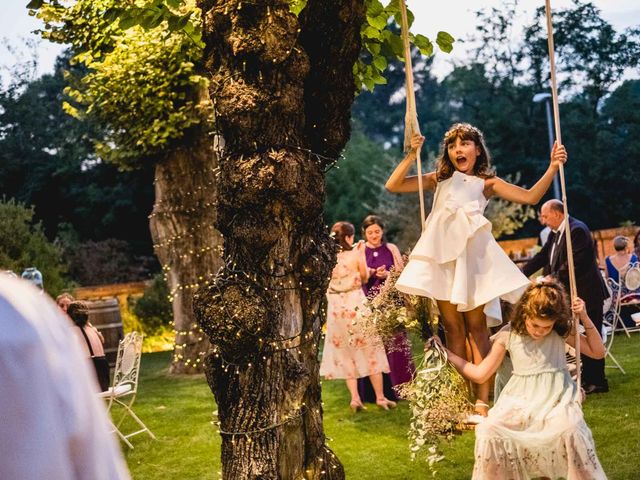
590,285
64,300
543,236
348,352
90,341
53,425
636,244
381,256
618,263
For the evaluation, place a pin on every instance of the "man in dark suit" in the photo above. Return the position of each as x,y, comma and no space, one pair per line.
589,282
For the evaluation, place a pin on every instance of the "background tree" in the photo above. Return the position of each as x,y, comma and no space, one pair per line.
47,160
23,244
142,86
350,194
592,56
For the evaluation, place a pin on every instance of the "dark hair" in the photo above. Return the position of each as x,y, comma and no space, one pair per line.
620,243
79,313
371,220
340,231
636,240
547,301
464,131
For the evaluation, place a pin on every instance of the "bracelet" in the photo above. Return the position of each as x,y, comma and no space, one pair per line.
590,328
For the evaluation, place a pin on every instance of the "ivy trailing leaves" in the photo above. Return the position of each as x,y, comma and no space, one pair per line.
141,80
381,42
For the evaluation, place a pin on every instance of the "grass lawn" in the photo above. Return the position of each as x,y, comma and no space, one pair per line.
371,444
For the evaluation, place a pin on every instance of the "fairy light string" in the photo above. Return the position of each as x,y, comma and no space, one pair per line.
195,334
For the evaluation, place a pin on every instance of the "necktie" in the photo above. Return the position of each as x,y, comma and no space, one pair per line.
556,248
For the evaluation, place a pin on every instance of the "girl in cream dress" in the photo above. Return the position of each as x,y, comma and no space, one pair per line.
456,261
536,428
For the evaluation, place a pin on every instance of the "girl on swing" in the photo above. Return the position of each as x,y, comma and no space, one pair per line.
457,261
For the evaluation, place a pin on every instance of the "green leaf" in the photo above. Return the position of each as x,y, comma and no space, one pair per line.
375,8
368,82
35,4
394,43
296,6
380,62
424,44
445,41
371,32
112,14
373,47
379,79
174,3
182,21
128,21
378,22
393,7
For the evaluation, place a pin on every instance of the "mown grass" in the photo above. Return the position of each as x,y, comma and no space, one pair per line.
371,444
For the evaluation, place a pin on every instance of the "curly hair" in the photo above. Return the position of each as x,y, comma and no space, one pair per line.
79,313
463,131
547,301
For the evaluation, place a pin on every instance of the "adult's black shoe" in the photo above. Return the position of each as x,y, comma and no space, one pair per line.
589,389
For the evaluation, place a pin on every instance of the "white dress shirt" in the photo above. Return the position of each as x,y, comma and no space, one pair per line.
556,241
52,423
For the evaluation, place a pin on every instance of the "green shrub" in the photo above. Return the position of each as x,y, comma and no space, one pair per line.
23,244
153,309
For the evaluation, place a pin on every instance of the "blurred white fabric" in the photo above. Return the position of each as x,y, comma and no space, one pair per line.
52,423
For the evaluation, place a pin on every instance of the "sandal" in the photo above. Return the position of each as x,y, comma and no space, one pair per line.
385,404
356,406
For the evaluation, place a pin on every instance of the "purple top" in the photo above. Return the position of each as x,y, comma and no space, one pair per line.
377,257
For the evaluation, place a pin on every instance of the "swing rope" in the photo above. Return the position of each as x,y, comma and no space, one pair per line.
567,230
411,126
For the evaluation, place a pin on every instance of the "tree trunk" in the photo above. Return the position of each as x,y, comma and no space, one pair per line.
186,241
282,89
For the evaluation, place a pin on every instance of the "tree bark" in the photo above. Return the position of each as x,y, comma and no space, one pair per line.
186,241
282,88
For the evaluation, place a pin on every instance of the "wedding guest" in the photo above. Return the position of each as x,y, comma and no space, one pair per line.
53,424
381,256
589,282
90,341
348,352
618,263
64,300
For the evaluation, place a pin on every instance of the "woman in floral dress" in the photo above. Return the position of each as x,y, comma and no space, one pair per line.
348,352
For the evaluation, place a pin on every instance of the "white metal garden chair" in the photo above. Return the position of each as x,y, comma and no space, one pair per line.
623,294
125,385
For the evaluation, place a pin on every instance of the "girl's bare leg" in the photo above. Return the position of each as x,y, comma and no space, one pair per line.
454,330
480,345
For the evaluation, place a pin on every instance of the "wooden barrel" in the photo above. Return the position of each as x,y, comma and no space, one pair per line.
105,315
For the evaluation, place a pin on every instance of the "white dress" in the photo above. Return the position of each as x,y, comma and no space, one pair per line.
457,259
536,428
